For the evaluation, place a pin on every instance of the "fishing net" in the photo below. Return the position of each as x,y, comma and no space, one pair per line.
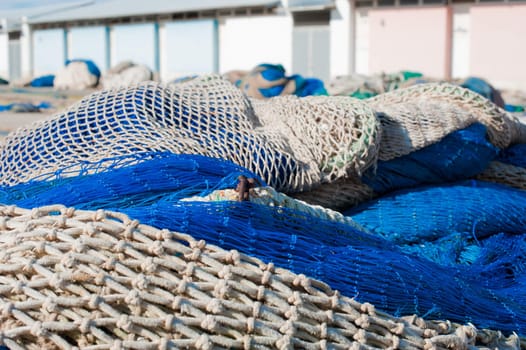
473,208
136,179
344,144
338,195
505,174
303,239
206,116
460,155
99,280
420,115
514,155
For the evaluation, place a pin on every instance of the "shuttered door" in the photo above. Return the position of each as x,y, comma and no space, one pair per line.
311,45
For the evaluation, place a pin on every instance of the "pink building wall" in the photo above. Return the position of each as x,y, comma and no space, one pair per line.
498,44
416,39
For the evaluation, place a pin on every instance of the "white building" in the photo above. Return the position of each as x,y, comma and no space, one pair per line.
15,37
318,38
177,38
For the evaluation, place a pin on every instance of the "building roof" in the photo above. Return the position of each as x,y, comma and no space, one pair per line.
311,3
12,18
97,10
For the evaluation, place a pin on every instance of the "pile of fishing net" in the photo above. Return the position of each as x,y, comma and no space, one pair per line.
124,74
294,144
366,86
77,74
269,80
171,158
98,279
160,190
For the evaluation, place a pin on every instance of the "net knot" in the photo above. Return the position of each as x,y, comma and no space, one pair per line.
163,234
52,235
110,263
233,257
221,289
295,298
125,323
301,280
120,246
149,265
94,301
284,343
85,325
3,223
7,309
37,330
156,248
209,323
225,273
168,322
140,282
17,287
69,212
50,305
203,342
214,306
99,215
133,298
68,260
251,325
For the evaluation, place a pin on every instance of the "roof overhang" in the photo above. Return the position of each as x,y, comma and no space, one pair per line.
312,5
136,10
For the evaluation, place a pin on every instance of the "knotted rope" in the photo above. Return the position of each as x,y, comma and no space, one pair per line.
422,114
293,144
74,279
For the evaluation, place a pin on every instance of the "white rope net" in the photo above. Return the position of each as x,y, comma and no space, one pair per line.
73,279
423,114
207,116
506,174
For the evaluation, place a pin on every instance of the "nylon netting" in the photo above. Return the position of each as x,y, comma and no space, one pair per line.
475,209
462,154
99,280
206,116
505,174
422,114
489,292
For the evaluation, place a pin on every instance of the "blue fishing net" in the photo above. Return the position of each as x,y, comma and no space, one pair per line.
119,182
459,155
489,291
150,117
514,155
473,208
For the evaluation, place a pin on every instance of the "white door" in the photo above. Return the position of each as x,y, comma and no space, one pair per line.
460,42
311,51
48,51
15,59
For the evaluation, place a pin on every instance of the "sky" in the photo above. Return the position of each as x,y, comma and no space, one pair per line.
24,4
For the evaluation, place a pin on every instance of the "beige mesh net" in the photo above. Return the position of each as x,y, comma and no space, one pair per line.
294,144
420,115
340,134
74,279
338,195
506,174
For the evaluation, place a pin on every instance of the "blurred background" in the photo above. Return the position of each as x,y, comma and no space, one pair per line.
443,39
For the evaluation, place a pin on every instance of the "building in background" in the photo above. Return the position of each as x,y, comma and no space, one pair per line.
16,54
443,39
317,38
